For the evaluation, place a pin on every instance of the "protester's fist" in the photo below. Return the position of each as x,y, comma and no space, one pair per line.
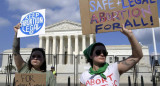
17,27
126,31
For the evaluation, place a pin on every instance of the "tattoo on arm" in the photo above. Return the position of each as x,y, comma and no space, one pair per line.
128,62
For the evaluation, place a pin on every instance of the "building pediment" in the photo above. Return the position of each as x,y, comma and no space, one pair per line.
64,26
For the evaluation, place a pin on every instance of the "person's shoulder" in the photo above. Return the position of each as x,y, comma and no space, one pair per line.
48,72
85,73
84,76
113,64
112,67
24,69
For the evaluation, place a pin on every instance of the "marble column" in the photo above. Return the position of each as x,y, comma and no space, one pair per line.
47,48
40,41
54,45
83,42
61,50
91,38
82,59
61,45
54,49
69,50
76,45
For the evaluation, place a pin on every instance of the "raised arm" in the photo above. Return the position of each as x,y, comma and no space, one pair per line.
16,49
137,54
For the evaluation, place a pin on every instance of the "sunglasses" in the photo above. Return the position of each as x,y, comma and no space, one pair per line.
98,52
36,56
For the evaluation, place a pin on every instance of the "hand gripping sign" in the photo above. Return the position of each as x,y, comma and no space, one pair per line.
32,23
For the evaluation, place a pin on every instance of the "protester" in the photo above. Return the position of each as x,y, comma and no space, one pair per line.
53,71
103,74
36,63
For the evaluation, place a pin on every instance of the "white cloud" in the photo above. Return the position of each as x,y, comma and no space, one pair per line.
16,16
33,45
145,35
56,10
4,22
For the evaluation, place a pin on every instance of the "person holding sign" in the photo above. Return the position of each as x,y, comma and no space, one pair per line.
36,62
103,74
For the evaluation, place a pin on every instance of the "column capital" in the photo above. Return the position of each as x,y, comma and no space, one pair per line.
40,37
68,35
91,35
83,35
91,38
76,36
54,37
61,36
47,37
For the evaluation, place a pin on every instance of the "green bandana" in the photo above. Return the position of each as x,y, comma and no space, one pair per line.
100,71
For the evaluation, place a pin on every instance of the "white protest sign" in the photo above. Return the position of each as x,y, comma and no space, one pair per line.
32,23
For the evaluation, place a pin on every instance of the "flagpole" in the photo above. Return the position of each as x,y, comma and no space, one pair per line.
154,44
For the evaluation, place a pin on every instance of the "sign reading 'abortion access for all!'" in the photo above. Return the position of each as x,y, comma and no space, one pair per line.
32,23
99,16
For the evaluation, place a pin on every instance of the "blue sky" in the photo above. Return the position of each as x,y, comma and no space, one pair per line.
56,11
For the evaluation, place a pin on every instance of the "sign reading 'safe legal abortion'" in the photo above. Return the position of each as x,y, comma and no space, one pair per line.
32,23
99,16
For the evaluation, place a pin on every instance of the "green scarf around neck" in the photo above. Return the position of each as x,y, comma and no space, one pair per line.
100,71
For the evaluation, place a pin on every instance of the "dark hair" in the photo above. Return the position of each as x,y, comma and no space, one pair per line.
43,66
52,67
97,44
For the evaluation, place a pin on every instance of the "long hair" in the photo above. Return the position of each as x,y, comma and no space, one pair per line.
90,60
43,66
